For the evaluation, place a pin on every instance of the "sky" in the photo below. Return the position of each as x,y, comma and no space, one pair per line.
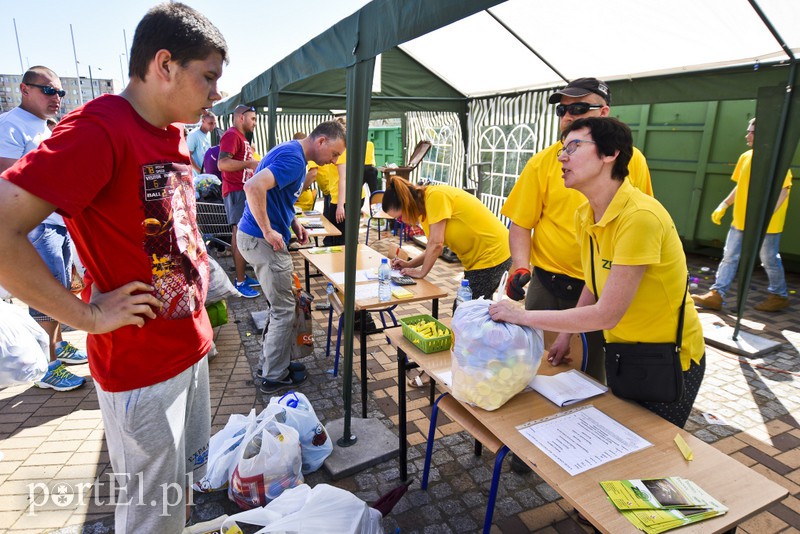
259,33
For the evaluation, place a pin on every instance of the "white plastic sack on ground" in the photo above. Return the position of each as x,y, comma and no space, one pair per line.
223,452
304,510
295,410
24,347
219,286
268,463
492,361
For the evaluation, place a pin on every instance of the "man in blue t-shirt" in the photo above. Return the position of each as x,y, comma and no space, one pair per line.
198,141
263,239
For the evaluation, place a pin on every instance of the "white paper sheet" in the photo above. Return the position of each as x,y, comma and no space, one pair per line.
361,276
366,291
445,377
567,388
582,438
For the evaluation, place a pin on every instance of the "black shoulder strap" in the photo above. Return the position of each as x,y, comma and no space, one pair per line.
679,334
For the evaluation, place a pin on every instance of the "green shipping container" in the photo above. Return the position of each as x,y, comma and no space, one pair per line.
388,145
692,149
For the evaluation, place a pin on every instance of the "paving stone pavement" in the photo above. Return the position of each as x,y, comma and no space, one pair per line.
53,442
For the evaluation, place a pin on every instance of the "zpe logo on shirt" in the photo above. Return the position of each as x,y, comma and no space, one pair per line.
606,264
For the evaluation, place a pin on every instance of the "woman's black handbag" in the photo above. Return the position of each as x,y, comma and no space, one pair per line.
647,372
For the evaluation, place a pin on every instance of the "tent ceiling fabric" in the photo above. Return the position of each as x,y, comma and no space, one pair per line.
475,56
610,40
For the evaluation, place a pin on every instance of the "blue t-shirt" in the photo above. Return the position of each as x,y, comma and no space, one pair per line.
288,165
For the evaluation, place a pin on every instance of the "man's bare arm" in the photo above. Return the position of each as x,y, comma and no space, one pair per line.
6,163
24,274
228,164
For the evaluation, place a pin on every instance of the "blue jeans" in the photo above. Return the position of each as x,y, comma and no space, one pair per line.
770,260
52,242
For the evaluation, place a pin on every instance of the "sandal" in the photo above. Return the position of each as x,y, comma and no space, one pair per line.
417,378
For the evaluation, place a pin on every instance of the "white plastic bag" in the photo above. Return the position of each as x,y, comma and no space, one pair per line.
492,361
295,410
268,463
304,510
24,347
219,285
223,452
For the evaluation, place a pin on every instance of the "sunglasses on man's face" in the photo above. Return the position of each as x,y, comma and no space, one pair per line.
49,91
578,108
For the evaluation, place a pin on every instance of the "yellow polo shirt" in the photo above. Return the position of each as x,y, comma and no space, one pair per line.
306,200
540,201
741,175
475,234
637,230
324,175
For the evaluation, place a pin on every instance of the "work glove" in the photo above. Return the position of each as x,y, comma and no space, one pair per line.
719,213
515,287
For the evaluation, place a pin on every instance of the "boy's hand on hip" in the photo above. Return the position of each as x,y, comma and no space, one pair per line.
130,304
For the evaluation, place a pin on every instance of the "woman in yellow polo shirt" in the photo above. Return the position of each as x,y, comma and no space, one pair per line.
639,263
451,216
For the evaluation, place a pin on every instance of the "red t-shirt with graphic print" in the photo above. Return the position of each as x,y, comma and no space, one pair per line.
125,190
234,142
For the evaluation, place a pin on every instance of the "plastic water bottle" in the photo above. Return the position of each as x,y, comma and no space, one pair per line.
464,293
384,281
330,290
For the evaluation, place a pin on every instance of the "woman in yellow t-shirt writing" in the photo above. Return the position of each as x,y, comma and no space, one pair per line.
450,216
631,252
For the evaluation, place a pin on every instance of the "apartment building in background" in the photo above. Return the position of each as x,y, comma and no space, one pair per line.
10,97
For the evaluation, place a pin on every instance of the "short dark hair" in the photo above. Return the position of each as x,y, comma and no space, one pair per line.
609,135
33,74
334,129
185,32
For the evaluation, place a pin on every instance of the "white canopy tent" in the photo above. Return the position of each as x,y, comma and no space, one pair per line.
491,52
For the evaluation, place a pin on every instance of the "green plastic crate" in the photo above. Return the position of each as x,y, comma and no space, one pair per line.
426,345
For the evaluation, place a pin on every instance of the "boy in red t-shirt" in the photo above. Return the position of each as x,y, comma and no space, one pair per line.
129,206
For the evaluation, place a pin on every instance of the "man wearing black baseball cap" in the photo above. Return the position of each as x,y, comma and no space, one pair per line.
542,213
582,87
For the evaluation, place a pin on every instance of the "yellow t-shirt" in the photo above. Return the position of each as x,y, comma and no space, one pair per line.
475,234
637,230
306,200
741,175
369,159
324,175
540,201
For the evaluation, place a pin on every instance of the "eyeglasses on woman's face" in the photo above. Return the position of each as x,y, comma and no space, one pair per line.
570,148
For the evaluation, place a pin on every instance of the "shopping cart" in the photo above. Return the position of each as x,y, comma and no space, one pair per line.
213,224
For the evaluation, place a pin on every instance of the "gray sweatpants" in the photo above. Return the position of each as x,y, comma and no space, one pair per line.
158,444
274,272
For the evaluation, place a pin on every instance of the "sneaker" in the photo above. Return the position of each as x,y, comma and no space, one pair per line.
294,378
70,354
293,368
245,290
252,282
772,303
711,300
58,378
371,326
